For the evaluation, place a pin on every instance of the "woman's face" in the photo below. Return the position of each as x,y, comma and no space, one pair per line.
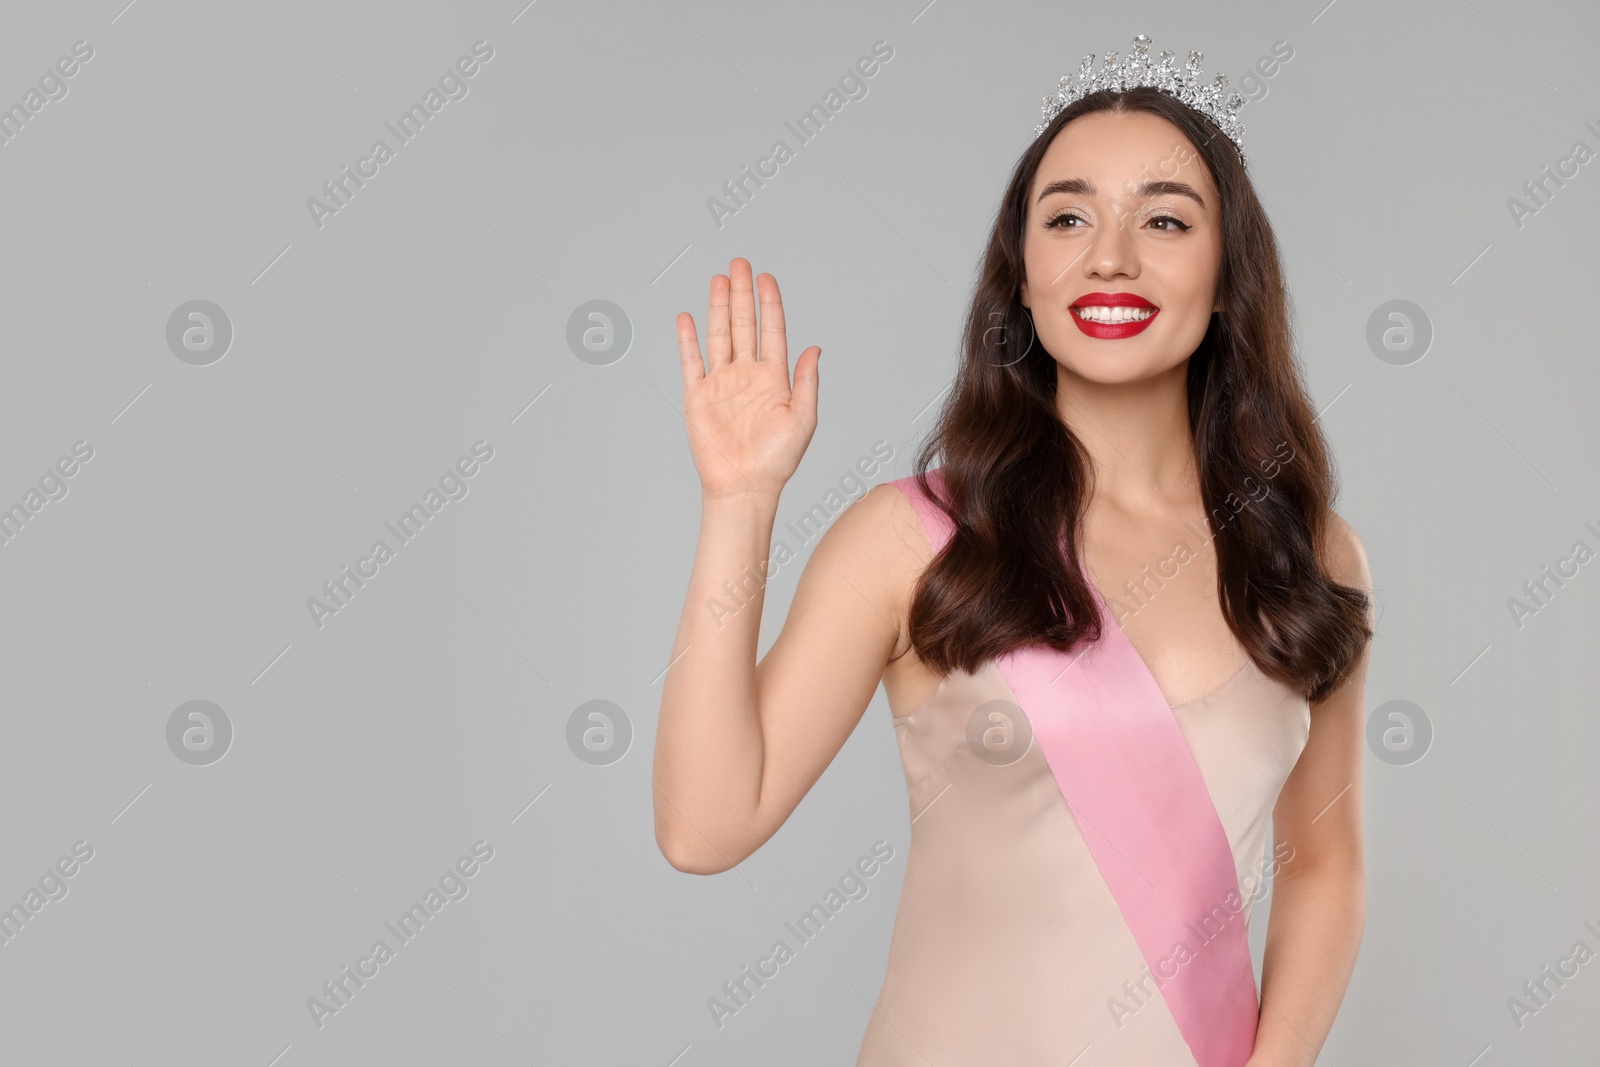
1095,232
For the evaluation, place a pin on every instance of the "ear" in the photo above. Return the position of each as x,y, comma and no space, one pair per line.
1023,295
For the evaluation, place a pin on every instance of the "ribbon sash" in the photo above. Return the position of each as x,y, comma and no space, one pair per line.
1130,780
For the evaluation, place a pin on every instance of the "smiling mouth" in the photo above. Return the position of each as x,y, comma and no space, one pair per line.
1110,316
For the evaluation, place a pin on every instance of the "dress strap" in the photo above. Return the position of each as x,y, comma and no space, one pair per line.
935,523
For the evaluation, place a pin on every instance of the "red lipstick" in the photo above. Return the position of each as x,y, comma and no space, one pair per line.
1113,331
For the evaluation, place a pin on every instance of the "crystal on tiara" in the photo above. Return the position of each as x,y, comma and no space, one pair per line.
1137,70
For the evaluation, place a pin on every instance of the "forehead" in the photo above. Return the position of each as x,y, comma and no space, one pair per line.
1117,151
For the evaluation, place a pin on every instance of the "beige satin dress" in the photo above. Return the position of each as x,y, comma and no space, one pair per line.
1008,948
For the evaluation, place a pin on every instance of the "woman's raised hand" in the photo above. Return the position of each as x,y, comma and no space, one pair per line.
747,427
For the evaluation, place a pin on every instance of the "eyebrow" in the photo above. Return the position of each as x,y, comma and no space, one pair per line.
1144,190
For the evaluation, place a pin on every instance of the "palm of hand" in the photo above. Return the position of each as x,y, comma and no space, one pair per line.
747,426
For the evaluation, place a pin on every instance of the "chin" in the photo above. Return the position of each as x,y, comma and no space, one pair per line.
1118,362
1108,365
1113,372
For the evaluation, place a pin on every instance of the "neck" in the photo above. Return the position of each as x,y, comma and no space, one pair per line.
1136,435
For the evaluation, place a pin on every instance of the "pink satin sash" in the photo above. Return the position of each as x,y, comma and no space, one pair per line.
1127,774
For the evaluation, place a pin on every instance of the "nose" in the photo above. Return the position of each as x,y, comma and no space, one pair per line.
1111,250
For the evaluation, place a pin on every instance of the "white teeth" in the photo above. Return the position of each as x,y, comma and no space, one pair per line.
1102,313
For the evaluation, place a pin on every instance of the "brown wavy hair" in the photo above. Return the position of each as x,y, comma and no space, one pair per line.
1018,479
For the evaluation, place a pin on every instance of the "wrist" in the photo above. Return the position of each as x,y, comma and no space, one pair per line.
741,500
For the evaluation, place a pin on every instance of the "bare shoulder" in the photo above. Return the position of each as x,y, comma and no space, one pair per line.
1344,557
878,541
881,528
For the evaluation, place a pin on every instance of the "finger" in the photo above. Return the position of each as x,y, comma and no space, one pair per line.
774,336
803,397
689,359
742,322
717,323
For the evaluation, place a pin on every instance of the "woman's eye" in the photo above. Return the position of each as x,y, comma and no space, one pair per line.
1060,222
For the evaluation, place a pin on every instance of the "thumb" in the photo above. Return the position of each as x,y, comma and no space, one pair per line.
804,393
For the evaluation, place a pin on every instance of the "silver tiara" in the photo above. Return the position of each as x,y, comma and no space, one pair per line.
1119,75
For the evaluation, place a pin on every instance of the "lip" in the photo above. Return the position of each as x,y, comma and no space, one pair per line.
1112,331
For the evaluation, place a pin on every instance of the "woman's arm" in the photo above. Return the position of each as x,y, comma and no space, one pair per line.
1319,902
739,743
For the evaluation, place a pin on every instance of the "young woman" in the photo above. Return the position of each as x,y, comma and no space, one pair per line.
1122,632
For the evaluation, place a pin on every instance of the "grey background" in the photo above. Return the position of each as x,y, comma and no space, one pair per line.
432,711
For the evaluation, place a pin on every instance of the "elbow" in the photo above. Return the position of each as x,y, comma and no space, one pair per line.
682,856
689,863
688,850
1345,879
699,845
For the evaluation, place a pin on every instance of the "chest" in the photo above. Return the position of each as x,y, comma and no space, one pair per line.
1159,578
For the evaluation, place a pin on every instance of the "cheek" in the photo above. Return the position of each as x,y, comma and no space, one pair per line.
1045,267
1192,282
